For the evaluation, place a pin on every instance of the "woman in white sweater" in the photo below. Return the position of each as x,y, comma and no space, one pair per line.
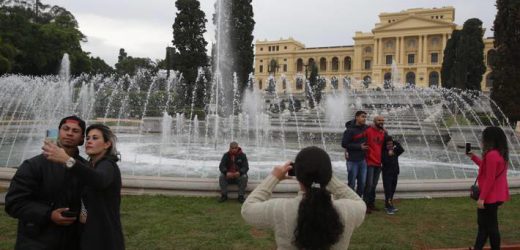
313,219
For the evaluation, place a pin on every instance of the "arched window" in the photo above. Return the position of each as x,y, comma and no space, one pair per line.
299,65
323,64
284,84
367,80
433,78
335,64
299,84
259,84
347,63
410,78
489,80
388,76
311,62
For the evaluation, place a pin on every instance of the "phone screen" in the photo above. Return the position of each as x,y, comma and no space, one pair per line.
52,135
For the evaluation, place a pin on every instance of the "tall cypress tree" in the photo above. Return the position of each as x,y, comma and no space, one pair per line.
449,60
189,43
463,64
242,40
506,62
470,52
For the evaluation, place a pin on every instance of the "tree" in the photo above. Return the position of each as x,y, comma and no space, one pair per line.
39,35
242,40
464,57
128,65
189,43
505,62
99,66
449,60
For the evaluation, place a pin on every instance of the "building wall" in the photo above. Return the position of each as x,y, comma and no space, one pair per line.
415,39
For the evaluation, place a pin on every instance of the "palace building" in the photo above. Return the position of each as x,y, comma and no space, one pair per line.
412,41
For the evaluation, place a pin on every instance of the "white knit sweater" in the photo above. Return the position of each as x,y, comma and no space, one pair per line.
281,214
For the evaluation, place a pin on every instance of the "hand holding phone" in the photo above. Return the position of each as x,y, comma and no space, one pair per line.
69,214
468,148
52,135
291,171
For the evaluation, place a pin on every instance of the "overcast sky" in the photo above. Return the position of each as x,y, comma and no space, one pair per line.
144,27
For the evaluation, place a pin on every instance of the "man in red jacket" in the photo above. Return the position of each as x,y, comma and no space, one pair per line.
375,135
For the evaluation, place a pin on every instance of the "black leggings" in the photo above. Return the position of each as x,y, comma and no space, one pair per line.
389,184
488,226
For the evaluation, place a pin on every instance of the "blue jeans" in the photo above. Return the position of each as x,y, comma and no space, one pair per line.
373,174
357,170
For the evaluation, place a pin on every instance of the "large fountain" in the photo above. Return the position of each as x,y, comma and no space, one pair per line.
433,124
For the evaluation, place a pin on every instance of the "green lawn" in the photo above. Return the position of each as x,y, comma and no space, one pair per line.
158,222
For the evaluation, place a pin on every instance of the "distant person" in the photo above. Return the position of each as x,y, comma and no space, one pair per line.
390,161
41,190
492,183
323,215
375,136
101,199
354,142
233,168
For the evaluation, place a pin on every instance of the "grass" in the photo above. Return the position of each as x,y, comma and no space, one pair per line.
159,222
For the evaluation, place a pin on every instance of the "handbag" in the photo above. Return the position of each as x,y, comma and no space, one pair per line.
474,191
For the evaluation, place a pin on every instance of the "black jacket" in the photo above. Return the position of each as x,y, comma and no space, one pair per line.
391,163
102,199
37,188
240,161
353,137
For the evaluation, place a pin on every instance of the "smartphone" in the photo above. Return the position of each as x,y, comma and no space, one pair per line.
52,135
69,214
468,147
292,170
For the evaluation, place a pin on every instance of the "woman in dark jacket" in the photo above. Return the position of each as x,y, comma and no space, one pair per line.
390,161
101,198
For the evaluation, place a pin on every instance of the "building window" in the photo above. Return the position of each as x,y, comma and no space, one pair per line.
299,84
368,50
285,47
410,78
433,79
311,62
389,59
299,65
323,64
284,84
489,80
277,48
368,64
261,68
285,68
259,84
335,64
435,57
347,63
411,58
261,49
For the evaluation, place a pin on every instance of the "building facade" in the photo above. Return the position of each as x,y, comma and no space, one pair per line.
408,44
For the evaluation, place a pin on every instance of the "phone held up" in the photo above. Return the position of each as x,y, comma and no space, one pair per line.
468,147
69,214
292,170
52,135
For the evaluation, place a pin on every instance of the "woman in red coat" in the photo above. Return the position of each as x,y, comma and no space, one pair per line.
492,182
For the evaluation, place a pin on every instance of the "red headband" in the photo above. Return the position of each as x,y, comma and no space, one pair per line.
72,121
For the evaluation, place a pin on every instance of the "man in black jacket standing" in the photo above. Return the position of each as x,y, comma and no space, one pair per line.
233,168
354,142
41,191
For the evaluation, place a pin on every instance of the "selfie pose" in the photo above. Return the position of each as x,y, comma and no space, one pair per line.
45,196
322,216
101,197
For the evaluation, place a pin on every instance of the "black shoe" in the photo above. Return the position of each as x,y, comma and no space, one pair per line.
241,199
222,198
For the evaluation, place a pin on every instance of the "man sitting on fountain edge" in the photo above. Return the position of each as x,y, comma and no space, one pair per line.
233,168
